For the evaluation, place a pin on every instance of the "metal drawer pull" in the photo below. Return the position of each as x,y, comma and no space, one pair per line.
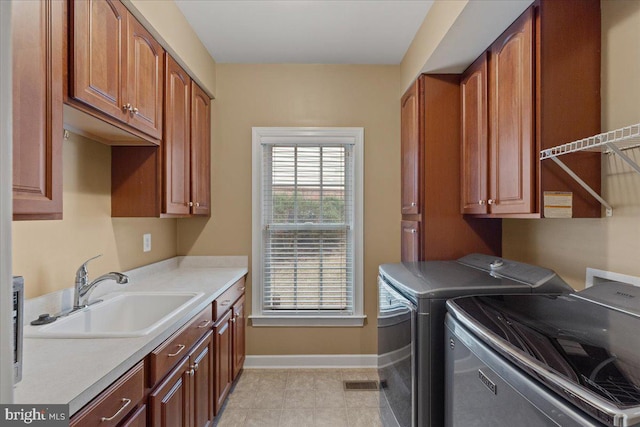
191,372
177,352
242,289
225,302
481,202
233,319
126,403
491,201
204,324
195,367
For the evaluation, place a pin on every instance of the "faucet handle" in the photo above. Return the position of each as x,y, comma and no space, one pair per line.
82,270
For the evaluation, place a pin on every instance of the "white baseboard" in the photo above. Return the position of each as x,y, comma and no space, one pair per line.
312,361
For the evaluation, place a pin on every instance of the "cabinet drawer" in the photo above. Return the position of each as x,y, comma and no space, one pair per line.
226,300
163,358
113,405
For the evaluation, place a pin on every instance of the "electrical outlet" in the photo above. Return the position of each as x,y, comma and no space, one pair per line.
146,242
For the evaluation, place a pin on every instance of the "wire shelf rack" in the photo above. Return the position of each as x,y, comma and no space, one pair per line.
624,139
615,141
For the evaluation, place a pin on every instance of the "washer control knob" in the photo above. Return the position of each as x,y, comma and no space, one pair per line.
496,264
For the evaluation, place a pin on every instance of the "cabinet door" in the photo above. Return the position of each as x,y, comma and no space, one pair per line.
37,109
200,151
202,364
410,241
475,121
137,419
223,370
98,55
170,402
177,136
144,76
410,149
511,101
238,321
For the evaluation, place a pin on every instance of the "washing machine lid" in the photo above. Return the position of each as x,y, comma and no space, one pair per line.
587,352
473,274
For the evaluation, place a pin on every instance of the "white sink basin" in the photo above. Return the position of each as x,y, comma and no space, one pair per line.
123,314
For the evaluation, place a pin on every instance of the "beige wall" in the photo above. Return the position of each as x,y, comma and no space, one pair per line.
569,246
438,21
47,253
303,95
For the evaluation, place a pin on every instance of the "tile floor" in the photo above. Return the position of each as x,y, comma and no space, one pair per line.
302,398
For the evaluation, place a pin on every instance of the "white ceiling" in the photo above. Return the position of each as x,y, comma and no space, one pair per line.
306,31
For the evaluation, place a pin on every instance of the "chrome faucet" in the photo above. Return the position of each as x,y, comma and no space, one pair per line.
84,288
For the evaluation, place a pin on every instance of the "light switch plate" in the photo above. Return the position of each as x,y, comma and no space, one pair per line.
146,242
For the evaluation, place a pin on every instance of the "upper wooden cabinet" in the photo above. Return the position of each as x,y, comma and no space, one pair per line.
174,179
433,229
145,81
475,138
37,39
542,86
177,140
200,151
511,113
116,66
410,149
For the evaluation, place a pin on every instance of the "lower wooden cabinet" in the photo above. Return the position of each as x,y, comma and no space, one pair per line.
410,241
185,398
137,419
169,402
202,365
238,323
223,370
185,380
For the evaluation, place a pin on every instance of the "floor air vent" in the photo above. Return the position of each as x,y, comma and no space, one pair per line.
360,385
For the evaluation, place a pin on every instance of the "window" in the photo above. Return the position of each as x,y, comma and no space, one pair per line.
307,227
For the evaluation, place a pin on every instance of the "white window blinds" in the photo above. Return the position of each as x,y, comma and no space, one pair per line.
307,225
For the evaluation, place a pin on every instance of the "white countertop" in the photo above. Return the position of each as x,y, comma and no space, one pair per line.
74,371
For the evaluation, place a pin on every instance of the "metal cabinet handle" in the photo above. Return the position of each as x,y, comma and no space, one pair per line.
413,204
204,324
177,352
126,107
134,111
233,319
191,372
491,201
190,204
481,202
242,289
126,402
197,204
195,367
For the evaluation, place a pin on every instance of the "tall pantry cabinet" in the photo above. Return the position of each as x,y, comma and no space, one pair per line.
432,227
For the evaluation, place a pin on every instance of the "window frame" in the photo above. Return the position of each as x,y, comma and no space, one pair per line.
352,135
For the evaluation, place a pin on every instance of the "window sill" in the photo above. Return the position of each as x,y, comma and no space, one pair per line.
307,321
